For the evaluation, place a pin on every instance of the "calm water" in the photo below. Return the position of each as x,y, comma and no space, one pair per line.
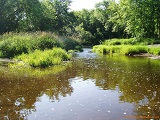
89,88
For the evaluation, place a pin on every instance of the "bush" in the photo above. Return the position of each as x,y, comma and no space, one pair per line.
14,46
48,41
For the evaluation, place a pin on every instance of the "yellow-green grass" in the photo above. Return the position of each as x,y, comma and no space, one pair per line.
44,58
126,49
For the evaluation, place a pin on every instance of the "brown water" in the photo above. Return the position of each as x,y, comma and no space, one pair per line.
89,88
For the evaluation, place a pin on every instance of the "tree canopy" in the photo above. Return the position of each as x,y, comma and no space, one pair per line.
109,19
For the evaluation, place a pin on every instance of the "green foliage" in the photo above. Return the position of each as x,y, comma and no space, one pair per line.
138,18
48,41
131,41
44,58
109,19
13,44
70,43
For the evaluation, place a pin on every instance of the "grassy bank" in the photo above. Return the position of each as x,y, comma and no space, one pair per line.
128,47
13,44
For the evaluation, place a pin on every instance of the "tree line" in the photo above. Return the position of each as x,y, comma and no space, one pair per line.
109,19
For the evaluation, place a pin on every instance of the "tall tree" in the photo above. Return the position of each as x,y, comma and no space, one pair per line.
8,18
30,13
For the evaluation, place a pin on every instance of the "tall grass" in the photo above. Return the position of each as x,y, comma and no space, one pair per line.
12,44
44,58
129,47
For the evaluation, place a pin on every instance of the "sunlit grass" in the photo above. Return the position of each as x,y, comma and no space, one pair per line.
44,58
126,49
154,50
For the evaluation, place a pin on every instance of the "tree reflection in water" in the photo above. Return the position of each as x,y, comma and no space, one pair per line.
19,92
137,80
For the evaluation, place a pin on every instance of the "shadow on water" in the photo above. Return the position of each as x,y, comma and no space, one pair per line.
90,87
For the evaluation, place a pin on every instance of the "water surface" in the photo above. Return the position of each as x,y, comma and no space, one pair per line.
91,87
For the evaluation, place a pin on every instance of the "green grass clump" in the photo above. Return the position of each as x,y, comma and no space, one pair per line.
132,50
44,58
128,47
154,50
106,49
121,49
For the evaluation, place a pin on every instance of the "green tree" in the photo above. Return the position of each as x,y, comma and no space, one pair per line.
8,18
29,14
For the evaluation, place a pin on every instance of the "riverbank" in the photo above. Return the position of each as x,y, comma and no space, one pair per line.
130,47
129,50
37,49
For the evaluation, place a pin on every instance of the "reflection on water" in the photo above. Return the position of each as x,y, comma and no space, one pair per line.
89,88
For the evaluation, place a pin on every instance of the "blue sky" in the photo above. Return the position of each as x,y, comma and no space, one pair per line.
80,4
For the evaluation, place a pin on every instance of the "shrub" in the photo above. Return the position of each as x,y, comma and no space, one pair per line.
14,46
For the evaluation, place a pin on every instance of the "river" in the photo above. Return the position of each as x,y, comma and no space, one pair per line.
90,87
